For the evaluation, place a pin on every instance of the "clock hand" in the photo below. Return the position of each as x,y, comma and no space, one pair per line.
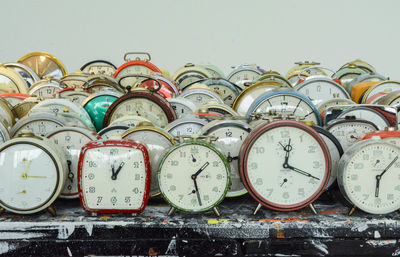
194,176
114,177
36,177
301,172
284,181
379,177
287,149
70,174
25,174
197,190
193,159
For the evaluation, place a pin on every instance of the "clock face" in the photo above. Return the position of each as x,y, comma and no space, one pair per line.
30,176
349,132
367,114
73,81
193,177
286,104
71,142
99,68
289,183
181,109
39,127
385,86
198,97
226,93
45,91
185,128
229,140
335,157
113,178
243,76
141,107
97,108
157,145
392,140
133,70
12,101
370,178
321,90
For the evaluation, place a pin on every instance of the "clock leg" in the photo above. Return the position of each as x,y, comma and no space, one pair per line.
313,208
93,214
171,211
52,211
134,214
216,211
2,211
352,210
257,209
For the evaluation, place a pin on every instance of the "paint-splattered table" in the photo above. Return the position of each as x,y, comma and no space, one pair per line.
237,232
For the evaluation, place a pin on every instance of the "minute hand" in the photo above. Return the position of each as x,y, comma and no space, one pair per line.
301,172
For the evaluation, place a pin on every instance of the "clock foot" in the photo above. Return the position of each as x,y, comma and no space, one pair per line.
2,210
313,208
352,210
134,214
171,211
52,211
216,211
257,209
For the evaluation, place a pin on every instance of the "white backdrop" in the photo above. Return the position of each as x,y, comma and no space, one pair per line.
273,34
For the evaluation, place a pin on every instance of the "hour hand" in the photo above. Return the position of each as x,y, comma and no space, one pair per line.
114,176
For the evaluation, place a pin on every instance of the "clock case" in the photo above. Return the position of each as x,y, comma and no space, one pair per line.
118,143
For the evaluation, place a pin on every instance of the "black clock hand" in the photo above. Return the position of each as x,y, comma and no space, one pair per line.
193,159
301,172
379,177
194,176
70,174
114,177
197,190
287,149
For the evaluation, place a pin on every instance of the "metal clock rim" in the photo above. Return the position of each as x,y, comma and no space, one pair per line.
97,60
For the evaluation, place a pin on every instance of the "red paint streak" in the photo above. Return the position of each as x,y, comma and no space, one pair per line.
350,221
331,211
165,222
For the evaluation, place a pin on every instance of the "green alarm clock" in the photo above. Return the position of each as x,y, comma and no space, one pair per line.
96,105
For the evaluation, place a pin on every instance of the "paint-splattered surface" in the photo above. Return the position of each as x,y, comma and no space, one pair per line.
237,232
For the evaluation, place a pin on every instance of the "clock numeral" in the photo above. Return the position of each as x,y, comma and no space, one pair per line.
397,164
259,149
312,148
67,138
269,191
38,199
92,164
365,196
180,197
136,165
312,181
182,154
92,189
357,188
172,188
174,163
228,134
135,190
397,188
113,200
259,181
215,189
270,139
377,152
285,195
114,152
137,176
219,176
316,164
194,201
194,150
69,187
285,134
127,199
365,157
169,175
300,192
215,164
377,201
354,177
24,203
253,165
390,196
99,199
206,197
358,165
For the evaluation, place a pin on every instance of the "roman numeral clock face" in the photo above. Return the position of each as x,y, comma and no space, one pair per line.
113,179
285,166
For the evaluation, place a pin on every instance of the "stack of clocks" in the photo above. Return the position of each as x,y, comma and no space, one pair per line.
117,137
